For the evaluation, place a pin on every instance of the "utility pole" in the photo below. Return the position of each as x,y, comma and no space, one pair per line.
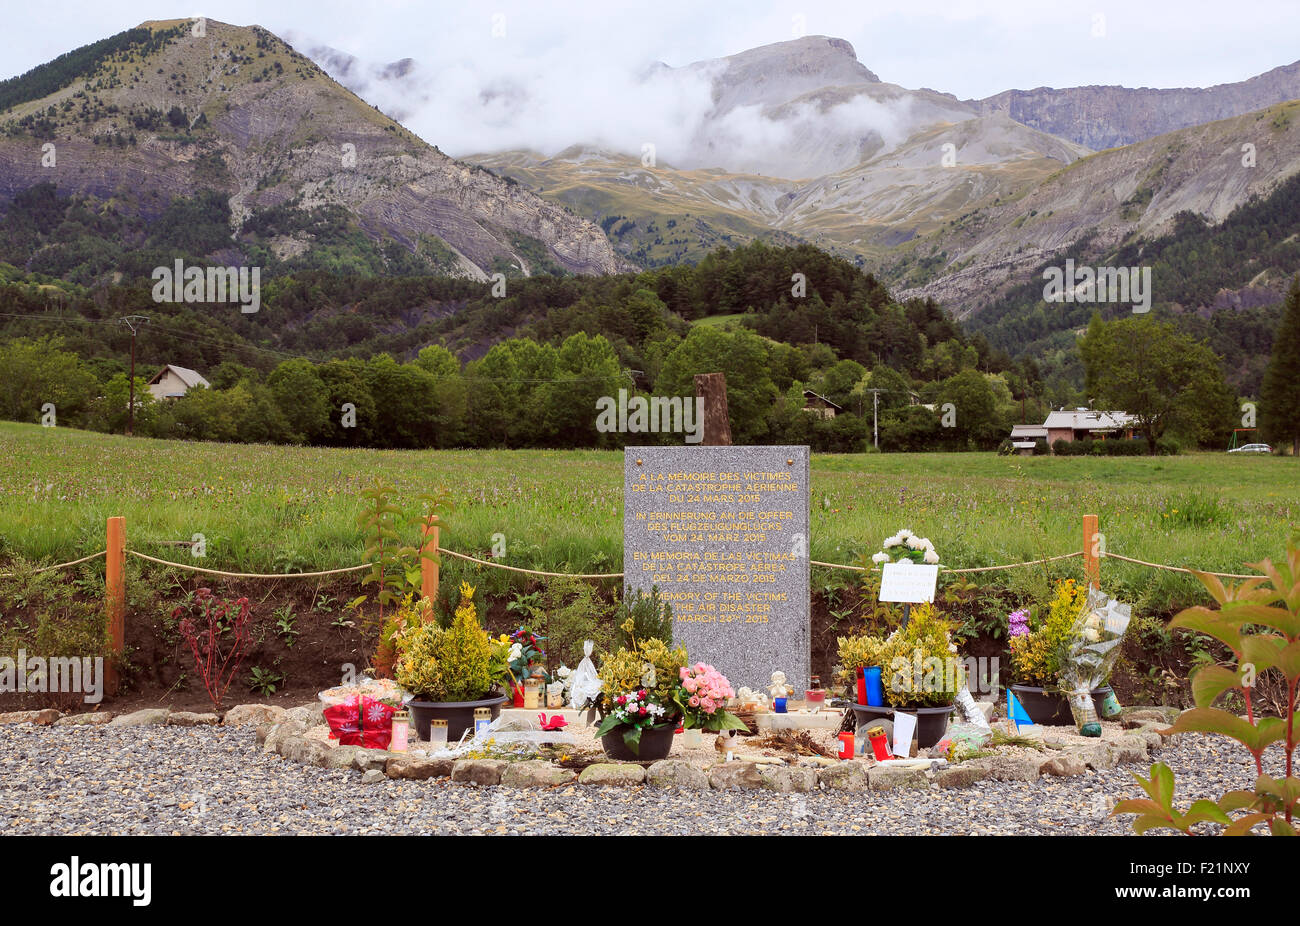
875,415
132,322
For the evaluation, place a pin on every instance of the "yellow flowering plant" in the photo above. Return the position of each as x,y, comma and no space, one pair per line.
859,651
499,661
920,663
855,652
1036,655
410,614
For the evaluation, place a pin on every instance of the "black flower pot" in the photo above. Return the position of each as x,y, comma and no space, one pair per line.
458,714
1051,708
931,722
656,743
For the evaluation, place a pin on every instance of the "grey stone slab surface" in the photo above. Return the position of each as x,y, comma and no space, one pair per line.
723,533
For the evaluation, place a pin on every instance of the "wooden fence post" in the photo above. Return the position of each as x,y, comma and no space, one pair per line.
115,591
1092,545
429,567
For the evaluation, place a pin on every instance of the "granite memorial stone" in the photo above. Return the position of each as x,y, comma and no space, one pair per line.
723,533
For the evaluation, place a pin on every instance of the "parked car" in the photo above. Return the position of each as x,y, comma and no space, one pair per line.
1252,448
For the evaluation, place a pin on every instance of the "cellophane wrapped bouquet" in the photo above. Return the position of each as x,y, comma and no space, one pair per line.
1089,653
362,714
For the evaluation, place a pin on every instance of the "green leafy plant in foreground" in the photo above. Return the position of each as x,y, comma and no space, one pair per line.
1260,624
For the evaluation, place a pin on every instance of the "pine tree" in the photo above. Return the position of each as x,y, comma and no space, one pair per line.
1279,395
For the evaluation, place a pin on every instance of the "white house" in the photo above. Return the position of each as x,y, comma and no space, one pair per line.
172,382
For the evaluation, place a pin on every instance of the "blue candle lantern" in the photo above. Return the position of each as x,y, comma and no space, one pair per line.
875,689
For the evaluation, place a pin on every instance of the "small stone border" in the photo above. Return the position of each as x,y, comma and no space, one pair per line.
286,738
281,732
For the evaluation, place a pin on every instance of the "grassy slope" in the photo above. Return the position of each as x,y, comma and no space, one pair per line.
264,508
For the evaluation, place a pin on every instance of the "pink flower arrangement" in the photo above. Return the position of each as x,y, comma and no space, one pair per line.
708,688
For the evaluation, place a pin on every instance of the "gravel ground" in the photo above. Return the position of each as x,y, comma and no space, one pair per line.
214,780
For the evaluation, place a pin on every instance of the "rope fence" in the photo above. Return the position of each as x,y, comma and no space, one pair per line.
75,562
532,572
1221,575
1032,562
116,552
608,575
246,575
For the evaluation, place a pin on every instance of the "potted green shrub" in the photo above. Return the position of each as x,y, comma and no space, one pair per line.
921,674
449,672
1037,638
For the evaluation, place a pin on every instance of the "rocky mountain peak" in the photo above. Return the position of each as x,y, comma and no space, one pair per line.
773,74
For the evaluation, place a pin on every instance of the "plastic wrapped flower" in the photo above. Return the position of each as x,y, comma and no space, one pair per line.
1018,623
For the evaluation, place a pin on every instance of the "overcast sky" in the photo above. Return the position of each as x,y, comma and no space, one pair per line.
576,59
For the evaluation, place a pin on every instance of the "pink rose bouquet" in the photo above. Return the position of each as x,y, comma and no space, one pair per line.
703,695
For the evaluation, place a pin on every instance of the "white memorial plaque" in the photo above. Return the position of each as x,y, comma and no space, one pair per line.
908,582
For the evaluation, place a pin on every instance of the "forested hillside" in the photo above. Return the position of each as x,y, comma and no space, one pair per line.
435,361
1220,282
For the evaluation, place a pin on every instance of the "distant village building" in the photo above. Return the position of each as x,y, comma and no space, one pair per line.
1024,437
819,405
1080,423
172,382
1074,424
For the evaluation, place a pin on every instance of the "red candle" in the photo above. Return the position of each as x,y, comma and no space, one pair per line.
846,745
862,686
879,743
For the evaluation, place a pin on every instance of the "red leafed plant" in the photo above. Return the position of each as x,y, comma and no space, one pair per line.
217,639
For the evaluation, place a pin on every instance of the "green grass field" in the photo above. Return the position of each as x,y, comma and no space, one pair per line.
279,509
